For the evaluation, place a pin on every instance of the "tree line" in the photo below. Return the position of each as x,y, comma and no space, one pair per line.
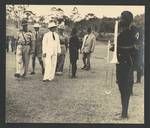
104,25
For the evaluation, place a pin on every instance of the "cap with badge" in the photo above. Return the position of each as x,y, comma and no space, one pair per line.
126,18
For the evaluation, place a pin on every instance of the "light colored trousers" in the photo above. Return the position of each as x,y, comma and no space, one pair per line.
50,67
22,67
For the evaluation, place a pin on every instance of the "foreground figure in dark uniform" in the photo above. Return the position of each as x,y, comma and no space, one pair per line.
74,46
124,70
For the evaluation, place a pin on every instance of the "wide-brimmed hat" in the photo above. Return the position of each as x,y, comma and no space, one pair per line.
51,25
36,25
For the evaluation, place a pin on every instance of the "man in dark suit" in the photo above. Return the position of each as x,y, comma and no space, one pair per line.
37,48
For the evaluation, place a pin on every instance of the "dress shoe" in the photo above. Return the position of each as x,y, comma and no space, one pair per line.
24,74
17,75
87,69
32,73
84,67
59,73
46,80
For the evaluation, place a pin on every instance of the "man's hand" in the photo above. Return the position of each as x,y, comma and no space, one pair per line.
112,47
81,51
20,62
44,54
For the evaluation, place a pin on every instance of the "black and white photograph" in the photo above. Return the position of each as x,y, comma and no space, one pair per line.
75,63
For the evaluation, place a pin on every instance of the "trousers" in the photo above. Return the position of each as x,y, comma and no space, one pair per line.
124,74
60,63
40,62
74,68
50,67
22,68
86,60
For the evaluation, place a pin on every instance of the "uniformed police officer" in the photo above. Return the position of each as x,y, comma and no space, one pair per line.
37,48
24,46
124,70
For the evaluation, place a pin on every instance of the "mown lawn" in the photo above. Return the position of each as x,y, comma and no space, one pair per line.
65,100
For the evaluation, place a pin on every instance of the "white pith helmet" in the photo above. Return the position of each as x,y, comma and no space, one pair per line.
36,25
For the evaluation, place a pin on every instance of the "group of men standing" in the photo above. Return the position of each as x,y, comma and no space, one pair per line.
44,47
50,49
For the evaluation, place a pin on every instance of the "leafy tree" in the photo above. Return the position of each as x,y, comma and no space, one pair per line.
15,13
139,20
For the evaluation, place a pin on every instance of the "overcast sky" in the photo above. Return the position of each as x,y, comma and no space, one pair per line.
99,11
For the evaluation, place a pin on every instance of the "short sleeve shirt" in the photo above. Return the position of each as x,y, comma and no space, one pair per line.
25,38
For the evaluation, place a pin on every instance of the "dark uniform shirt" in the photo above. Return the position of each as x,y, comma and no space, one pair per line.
74,45
125,54
125,47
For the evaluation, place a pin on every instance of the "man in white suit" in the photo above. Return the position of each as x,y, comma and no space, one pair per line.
50,48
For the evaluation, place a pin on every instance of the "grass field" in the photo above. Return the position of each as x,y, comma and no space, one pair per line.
66,100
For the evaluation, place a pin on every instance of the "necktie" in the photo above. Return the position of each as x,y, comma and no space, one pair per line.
53,35
36,35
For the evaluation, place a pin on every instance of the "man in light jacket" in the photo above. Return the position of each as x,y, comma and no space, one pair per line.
50,48
87,48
